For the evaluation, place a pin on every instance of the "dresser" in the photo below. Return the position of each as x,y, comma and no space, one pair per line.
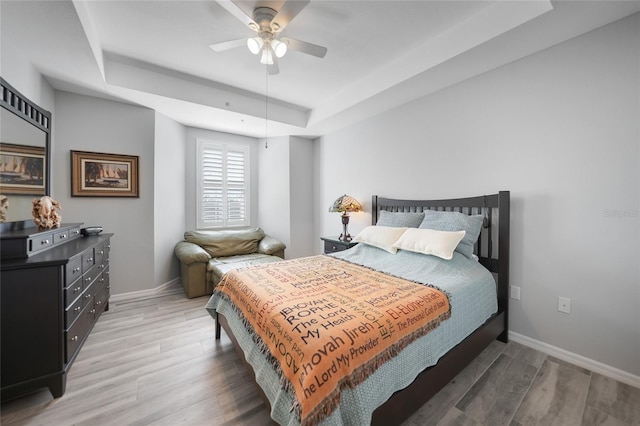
54,285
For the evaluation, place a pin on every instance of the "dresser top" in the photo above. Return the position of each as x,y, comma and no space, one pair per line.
57,255
34,232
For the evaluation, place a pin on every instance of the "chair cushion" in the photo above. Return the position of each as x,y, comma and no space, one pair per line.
226,243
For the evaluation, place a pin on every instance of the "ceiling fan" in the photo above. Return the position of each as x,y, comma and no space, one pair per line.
269,23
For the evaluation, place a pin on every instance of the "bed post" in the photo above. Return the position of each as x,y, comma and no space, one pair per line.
503,255
374,209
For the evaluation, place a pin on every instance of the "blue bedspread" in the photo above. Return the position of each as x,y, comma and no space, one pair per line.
472,295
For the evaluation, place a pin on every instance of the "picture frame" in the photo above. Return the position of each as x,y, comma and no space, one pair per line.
22,169
96,174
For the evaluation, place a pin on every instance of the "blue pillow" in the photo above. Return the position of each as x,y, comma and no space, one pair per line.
400,219
455,221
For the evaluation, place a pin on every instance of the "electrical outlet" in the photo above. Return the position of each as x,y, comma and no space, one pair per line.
564,305
515,292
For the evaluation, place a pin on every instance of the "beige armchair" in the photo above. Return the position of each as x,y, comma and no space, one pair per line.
207,255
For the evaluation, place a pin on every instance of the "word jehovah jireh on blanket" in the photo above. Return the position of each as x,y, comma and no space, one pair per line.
326,324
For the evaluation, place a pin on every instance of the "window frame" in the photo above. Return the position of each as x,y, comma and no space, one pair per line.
224,147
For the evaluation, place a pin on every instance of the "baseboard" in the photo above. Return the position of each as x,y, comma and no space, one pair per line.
170,287
575,359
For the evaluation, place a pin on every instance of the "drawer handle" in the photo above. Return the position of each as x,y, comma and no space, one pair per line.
101,279
62,237
93,311
74,339
43,242
101,252
89,260
76,309
87,296
99,302
76,269
76,231
87,279
77,289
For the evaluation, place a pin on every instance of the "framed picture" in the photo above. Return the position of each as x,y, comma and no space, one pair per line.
22,169
103,175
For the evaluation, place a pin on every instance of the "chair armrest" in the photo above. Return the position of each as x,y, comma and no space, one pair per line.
269,245
189,253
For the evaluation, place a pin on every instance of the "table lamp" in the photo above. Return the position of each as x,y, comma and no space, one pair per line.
345,204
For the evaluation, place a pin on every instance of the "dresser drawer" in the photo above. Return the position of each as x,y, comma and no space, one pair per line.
103,279
88,259
102,253
72,292
90,277
73,270
101,299
74,232
60,237
78,331
72,312
332,245
41,242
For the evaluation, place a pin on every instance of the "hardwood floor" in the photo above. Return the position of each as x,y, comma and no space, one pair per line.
156,362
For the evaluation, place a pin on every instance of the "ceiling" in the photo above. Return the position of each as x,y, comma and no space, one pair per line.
381,54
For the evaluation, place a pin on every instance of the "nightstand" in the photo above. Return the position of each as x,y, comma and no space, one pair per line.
332,245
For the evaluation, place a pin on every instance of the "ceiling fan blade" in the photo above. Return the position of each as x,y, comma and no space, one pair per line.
273,68
287,12
226,45
238,13
305,47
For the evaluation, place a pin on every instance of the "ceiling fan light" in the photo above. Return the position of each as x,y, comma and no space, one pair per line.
267,57
255,44
279,47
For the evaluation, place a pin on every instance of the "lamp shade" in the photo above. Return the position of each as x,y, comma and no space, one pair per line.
345,203
279,47
255,44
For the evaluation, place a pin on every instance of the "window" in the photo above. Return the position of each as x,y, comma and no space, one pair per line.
223,185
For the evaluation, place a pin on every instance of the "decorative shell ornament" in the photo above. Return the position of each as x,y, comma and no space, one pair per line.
4,206
45,213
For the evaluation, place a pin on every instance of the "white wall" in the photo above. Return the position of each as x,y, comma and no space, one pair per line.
169,212
560,130
191,167
84,123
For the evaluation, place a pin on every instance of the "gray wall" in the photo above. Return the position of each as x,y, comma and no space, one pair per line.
85,123
286,199
169,212
274,214
560,130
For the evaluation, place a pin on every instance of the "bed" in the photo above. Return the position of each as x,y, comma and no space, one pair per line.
425,362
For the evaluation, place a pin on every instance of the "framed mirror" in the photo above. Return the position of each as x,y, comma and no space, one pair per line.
25,157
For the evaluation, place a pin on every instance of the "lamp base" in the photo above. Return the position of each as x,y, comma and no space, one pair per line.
345,233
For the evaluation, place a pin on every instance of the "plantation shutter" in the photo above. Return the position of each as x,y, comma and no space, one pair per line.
223,190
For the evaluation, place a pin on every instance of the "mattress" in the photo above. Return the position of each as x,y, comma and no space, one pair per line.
472,295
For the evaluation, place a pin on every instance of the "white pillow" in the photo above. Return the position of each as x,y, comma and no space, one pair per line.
380,236
430,241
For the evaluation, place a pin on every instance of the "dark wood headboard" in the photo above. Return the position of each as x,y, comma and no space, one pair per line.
492,247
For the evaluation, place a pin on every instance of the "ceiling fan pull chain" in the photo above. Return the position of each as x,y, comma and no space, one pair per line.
266,105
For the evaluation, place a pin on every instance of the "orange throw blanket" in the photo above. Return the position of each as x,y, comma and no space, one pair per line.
326,324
